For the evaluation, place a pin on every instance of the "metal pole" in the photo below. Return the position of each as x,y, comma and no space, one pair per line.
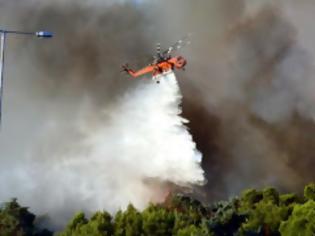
3,34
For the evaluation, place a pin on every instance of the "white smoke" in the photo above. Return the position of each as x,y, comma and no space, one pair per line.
108,158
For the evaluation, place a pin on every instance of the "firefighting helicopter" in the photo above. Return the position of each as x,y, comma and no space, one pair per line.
163,63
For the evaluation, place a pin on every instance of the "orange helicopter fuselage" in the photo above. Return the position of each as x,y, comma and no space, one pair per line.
160,67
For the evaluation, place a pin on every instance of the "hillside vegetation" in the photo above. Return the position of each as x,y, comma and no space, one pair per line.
255,212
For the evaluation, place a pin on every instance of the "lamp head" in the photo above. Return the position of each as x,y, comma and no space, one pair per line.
44,34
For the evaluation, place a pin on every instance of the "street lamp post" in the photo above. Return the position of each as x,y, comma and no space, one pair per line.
4,33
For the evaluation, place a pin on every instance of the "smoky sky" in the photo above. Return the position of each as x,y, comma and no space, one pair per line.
247,90
51,78
259,119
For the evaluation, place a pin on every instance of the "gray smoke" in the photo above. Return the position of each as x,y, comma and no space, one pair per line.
249,92
248,89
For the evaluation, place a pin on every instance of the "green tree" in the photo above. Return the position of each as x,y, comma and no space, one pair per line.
157,221
309,191
270,195
18,221
194,230
187,212
289,199
128,223
301,222
249,197
99,225
265,218
265,215
15,219
225,219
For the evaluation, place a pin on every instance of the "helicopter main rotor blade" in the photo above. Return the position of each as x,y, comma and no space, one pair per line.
158,48
176,46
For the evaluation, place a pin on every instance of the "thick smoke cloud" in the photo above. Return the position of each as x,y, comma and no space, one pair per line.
270,113
239,78
249,94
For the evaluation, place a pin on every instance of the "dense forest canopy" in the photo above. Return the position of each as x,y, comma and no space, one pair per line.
254,212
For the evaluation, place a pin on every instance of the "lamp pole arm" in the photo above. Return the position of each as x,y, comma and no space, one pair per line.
16,32
3,34
2,39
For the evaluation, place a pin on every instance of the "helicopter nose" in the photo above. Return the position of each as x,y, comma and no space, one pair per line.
181,62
